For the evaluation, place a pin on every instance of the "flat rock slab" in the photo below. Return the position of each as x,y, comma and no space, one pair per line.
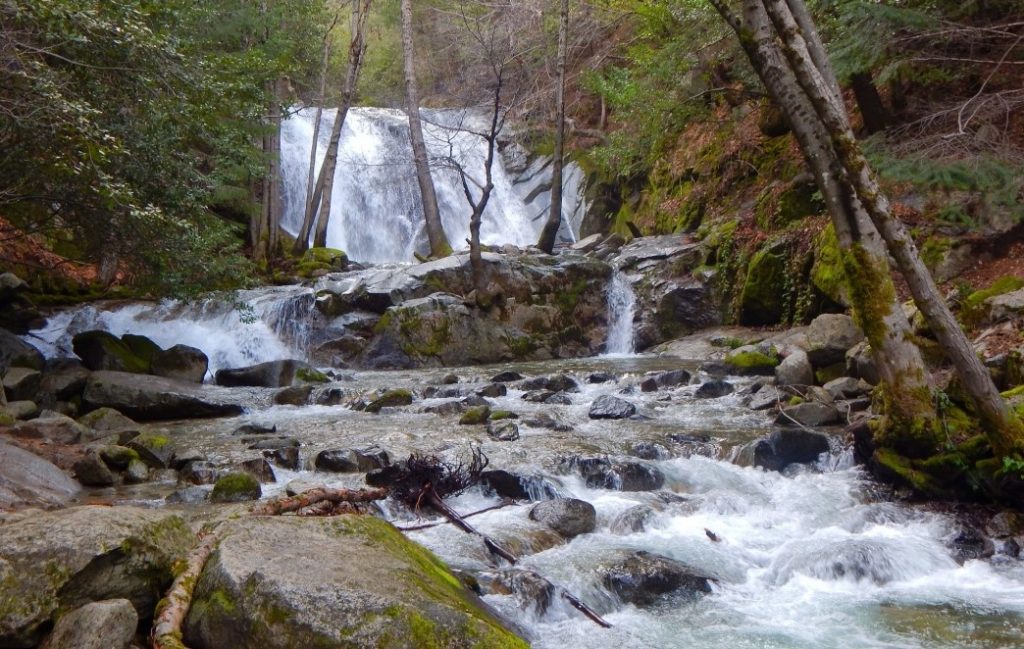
345,581
109,624
144,397
27,480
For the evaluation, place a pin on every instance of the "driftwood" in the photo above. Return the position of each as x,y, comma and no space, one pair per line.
170,613
318,495
426,526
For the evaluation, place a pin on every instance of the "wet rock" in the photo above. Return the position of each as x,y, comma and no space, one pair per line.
235,488
764,399
154,397
1005,523
795,369
557,383
100,350
63,379
285,457
92,472
188,496
449,379
648,451
155,450
255,428
860,363
27,480
648,385
21,383
117,457
181,363
475,415
370,458
185,457
568,516
387,476
53,427
336,461
643,578
390,399
690,445
601,377
788,446
270,443
559,399
503,430
506,377
272,374
751,360
398,596
538,396
298,486
518,487
107,624
493,390
199,473
632,520
672,378
969,543
810,413
609,407
846,387
531,591
136,472
68,558
258,468
447,408
829,336
713,389
15,352
295,395
545,420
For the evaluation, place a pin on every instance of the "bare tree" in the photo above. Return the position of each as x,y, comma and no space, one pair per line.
439,246
782,44
550,231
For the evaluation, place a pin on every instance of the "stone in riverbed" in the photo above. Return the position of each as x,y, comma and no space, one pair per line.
609,407
136,472
27,480
107,624
795,369
713,389
336,461
809,413
642,578
602,473
180,362
364,586
21,383
475,415
199,473
101,350
92,472
272,374
503,430
506,377
390,399
155,450
568,516
15,352
829,336
235,488
153,397
493,390
788,446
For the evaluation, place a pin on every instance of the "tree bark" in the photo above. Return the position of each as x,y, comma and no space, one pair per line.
439,245
317,495
356,51
549,234
872,110
1004,430
302,239
172,610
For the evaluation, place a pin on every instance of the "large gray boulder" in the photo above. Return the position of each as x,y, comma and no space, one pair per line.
608,407
339,582
21,383
15,352
272,374
795,369
180,362
154,397
109,624
568,516
784,447
63,380
27,480
829,336
642,578
59,561
102,350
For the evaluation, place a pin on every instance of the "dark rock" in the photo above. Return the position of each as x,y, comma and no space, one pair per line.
643,578
648,451
21,383
450,379
15,352
180,362
235,488
370,458
810,413
505,484
271,443
538,396
258,468
649,385
602,473
601,377
155,450
153,397
969,543
387,476
285,456
63,379
188,496
557,383
272,374
475,416
27,480
493,390
764,399
531,591
673,378
506,377
100,350
295,395
186,457
860,363
117,457
713,389
568,516
475,400
108,624
255,428
609,407
390,399
199,473
107,420
846,387
545,420
336,461
632,520
503,431
788,446
446,408
559,399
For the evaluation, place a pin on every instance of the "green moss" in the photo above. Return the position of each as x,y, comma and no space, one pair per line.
222,599
763,294
871,292
998,287
1014,392
321,259
235,487
498,415
830,373
310,375
475,415
390,399
778,209
893,467
827,274
520,346
752,362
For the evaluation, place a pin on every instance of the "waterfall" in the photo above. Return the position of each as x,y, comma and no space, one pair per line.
376,214
621,307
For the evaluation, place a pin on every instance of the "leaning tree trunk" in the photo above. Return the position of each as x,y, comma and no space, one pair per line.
872,295
356,51
439,246
1004,430
302,240
550,232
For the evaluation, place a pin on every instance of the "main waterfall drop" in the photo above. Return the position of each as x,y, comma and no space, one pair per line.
621,312
376,212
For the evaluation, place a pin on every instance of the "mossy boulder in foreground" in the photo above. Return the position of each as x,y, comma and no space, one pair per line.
346,581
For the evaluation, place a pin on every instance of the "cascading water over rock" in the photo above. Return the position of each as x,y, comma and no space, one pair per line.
621,310
376,214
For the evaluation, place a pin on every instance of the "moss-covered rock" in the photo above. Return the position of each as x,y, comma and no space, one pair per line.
100,350
751,362
236,487
975,310
340,582
762,300
390,399
325,260
475,415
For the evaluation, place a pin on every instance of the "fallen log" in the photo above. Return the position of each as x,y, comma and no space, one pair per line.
171,611
313,496
426,526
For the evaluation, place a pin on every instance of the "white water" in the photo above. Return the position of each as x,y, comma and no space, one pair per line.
376,213
274,323
621,310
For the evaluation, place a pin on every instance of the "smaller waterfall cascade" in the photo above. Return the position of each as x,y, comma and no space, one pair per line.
376,214
621,309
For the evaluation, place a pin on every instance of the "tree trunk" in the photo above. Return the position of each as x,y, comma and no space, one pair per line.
872,294
439,246
356,51
302,240
872,110
1004,429
550,232
272,186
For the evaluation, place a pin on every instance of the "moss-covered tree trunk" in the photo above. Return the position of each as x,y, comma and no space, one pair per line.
1004,430
910,422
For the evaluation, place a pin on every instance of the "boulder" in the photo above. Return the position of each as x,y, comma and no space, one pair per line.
235,488
107,420
27,480
810,413
101,350
182,363
21,409
272,374
343,581
530,590
53,427
493,390
21,383
154,397
714,389
632,520
788,446
336,461
62,560
1006,306
621,475
642,578
91,471
568,516
512,485
608,407
107,624
475,415
503,430
752,360
15,352
795,369
506,377
136,472
153,449
294,395
199,473
390,399
860,363
846,387
829,337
